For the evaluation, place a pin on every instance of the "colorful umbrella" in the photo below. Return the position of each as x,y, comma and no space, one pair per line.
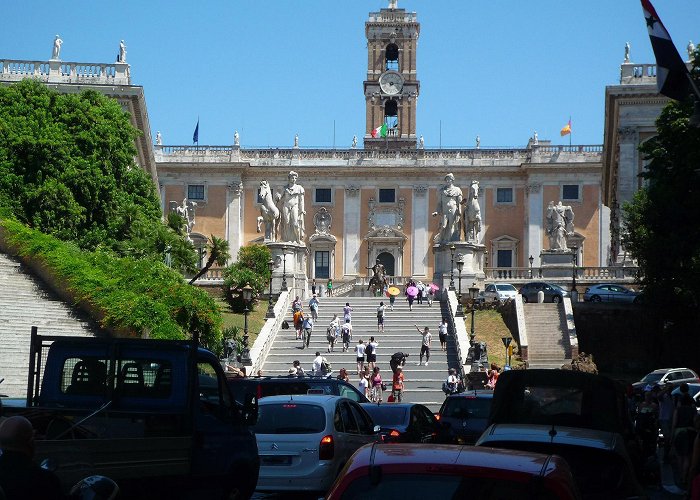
393,291
412,291
434,287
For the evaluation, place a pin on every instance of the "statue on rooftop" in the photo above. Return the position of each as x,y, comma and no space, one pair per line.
354,141
236,138
627,52
393,4
535,140
296,140
421,142
448,209
56,53
478,142
159,139
122,52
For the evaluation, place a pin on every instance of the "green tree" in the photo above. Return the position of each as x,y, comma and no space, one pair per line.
661,224
250,268
217,249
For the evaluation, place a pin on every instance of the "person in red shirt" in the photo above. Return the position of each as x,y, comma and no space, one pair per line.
397,385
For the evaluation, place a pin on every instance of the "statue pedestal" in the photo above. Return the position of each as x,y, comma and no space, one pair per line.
290,265
473,270
556,264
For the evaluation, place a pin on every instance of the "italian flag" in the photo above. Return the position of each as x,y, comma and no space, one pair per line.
379,131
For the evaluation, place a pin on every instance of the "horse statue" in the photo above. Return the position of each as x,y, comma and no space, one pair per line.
472,213
269,213
378,280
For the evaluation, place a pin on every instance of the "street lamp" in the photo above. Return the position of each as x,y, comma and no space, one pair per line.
460,266
284,288
247,292
486,262
473,294
452,267
270,308
531,259
574,255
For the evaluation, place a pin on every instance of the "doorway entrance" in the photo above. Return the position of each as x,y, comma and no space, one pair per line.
387,261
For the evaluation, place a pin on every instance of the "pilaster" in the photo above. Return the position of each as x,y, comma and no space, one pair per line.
351,231
420,233
234,217
535,217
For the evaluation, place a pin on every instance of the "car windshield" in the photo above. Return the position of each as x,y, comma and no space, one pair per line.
652,378
506,288
460,407
386,414
290,418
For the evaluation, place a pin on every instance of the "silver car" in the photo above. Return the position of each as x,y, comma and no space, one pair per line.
500,292
304,441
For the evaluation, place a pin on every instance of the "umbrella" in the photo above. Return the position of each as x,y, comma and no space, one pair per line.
412,291
434,287
393,291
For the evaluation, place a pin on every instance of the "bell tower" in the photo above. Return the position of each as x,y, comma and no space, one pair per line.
392,86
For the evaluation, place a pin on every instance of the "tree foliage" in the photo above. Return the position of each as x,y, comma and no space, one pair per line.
250,268
661,224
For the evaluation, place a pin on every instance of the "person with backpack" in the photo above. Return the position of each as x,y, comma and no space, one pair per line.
371,352
380,317
346,334
451,384
313,305
332,332
298,320
308,326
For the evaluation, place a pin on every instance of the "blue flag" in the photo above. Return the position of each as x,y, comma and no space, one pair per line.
195,136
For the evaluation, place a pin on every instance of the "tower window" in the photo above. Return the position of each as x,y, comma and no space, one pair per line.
392,57
391,114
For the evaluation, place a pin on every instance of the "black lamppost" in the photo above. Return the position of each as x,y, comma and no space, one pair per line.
460,266
284,288
452,267
531,259
473,294
486,262
270,308
247,292
574,258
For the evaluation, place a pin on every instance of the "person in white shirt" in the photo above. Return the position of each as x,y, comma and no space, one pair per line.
346,334
318,363
332,332
364,384
425,345
452,383
380,317
442,333
360,355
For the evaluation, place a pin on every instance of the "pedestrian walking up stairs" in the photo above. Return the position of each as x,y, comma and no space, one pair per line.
25,302
549,344
422,383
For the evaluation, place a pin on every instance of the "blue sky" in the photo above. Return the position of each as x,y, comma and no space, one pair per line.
269,69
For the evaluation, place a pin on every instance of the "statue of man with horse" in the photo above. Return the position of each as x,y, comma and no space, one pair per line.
269,213
378,280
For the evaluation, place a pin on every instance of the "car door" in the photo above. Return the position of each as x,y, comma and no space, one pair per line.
424,425
364,423
349,439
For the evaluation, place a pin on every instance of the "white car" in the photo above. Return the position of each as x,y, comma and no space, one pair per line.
500,292
304,441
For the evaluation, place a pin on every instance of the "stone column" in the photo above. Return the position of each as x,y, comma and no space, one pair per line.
420,235
351,228
234,216
535,215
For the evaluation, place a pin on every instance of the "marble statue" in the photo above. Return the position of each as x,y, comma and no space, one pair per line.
559,225
535,140
354,141
478,142
691,50
627,52
292,211
269,212
393,4
236,138
56,53
122,52
472,213
296,140
421,142
186,211
159,139
448,209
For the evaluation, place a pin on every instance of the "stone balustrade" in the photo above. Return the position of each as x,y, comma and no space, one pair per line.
57,71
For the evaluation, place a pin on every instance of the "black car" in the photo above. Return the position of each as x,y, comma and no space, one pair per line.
463,417
404,422
262,387
552,293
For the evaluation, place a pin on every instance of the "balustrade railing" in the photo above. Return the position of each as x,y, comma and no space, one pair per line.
56,71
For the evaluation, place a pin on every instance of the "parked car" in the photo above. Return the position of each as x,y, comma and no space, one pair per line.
382,471
404,422
662,376
261,387
578,416
304,441
693,390
464,417
500,292
552,293
610,292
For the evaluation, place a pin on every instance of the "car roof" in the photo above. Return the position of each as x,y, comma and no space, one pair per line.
301,398
577,436
477,393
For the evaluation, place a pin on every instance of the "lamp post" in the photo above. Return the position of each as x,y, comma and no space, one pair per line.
486,262
247,292
473,294
574,292
284,288
452,267
270,308
531,259
460,266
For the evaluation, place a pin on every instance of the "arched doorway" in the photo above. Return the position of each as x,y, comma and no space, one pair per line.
387,261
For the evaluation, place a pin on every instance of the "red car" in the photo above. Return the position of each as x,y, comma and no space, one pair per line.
381,471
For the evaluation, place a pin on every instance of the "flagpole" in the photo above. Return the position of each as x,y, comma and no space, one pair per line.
571,132
440,134
333,134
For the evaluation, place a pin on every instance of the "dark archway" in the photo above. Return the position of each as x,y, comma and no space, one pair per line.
387,261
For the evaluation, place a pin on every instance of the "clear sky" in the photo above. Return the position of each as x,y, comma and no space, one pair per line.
500,69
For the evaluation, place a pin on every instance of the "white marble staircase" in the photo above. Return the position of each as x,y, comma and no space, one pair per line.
548,338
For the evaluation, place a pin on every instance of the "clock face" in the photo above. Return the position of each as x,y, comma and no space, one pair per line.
391,82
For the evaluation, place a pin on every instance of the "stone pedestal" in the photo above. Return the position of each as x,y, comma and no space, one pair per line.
290,266
473,271
556,264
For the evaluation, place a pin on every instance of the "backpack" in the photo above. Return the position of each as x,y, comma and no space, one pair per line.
325,367
447,387
369,349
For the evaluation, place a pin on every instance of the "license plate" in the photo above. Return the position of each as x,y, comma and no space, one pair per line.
276,460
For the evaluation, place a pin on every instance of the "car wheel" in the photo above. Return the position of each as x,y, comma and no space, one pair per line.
556,299
595,298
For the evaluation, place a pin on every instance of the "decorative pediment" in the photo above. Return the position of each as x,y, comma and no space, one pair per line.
386,233
317,238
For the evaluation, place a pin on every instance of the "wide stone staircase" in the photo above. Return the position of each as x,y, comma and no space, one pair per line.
548,338
422,383
25,302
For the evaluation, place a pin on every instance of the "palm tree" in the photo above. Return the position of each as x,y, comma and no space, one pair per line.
217,248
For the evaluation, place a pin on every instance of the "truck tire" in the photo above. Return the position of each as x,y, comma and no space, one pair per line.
243,486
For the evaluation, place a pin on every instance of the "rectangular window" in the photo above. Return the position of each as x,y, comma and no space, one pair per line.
322,195
570,192
195,192
504,258
504,195
387,196
322,264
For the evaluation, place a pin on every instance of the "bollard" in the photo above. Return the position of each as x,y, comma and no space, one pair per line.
540,297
